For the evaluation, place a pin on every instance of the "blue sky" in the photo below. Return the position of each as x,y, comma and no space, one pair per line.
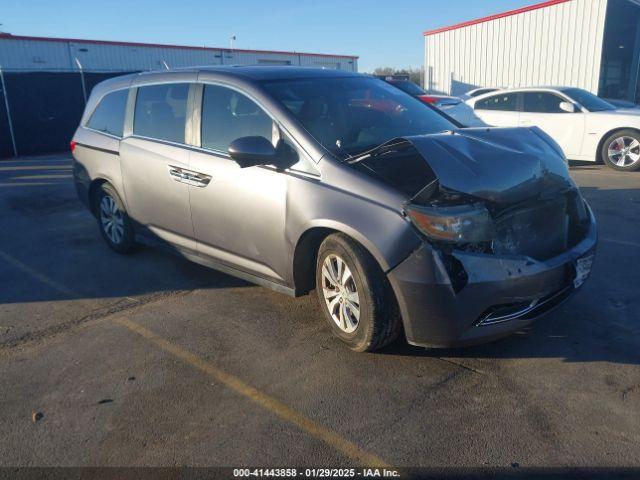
381,33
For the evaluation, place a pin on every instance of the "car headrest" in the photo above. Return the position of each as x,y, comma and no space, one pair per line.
241,105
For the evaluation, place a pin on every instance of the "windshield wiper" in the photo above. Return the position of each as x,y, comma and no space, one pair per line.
352,160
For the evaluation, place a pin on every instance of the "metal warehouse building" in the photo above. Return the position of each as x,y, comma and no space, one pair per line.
60,54
591,44
45,81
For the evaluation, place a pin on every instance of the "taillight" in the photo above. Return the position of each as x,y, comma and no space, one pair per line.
427,99
72,145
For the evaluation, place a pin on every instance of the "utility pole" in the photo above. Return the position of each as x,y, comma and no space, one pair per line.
6,105
84,86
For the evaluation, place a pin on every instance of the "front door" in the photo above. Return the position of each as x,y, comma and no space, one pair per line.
156,195
542,109
239,215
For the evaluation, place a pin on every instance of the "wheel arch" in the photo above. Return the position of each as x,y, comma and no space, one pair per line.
306,252
599,156
94,186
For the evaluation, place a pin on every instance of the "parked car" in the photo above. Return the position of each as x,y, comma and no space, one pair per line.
476,92
585,126
454,107
284,176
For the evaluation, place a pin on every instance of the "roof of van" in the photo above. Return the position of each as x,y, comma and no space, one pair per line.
260,72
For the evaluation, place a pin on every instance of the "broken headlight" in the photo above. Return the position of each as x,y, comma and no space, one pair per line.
460,223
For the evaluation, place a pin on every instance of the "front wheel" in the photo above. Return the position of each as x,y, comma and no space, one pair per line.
355,295
621,151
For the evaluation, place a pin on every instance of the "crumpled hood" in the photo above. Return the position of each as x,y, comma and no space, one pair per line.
501,165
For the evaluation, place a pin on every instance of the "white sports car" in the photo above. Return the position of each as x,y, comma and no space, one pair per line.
585,126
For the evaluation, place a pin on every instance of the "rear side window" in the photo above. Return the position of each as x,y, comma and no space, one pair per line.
228,115
161,112
108,117
506,102
542,102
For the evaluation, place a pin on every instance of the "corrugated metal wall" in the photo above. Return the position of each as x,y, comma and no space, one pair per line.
19,54
560,44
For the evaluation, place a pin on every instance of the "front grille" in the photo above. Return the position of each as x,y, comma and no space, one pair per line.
539,230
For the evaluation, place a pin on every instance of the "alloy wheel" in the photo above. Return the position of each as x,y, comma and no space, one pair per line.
340,293
624,151
111,219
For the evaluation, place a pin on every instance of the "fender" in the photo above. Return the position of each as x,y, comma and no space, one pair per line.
370,214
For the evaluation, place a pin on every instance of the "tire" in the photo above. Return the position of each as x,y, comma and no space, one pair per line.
113,221
378,321
628,142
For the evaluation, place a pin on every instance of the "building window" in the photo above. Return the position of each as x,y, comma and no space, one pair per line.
332,65
620,51
267,61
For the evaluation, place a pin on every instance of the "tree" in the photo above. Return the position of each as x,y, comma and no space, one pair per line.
384,71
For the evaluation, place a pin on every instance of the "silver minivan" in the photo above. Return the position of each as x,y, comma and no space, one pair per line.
298,179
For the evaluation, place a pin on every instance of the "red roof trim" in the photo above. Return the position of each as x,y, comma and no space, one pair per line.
8,36
537,6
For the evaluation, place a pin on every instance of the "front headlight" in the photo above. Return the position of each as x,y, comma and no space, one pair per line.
460,224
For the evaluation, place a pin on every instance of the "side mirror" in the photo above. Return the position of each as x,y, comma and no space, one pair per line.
252,151
567,107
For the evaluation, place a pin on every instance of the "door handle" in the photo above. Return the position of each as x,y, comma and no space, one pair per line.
176,173
198,179
189,177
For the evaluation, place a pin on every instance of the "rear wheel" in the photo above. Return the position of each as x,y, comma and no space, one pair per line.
355,295
621,151
113,221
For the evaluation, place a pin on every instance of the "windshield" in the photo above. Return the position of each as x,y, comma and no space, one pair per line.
409,87
351,115
588,100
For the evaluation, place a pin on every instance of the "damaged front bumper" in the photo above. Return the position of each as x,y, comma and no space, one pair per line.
499,295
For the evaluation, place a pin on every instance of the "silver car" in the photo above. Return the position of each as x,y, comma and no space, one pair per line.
301,179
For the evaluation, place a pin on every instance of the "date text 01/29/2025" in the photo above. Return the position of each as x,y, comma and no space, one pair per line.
316,472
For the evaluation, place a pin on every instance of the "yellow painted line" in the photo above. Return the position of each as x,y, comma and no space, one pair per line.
621,242
265,401
51,176
32,184
42,177
37,275
35,167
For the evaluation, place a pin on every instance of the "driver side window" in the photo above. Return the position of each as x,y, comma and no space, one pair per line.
542,102
228,115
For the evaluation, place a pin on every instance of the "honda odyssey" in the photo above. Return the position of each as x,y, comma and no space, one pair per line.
303,179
